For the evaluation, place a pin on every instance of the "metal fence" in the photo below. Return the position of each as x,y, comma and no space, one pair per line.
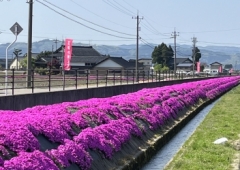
15,81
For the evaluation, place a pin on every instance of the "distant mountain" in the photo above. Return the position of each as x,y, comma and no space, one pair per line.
210,54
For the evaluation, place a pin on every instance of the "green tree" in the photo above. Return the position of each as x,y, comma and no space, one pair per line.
162,54
23,62
156,55
197,55
17,53
158,67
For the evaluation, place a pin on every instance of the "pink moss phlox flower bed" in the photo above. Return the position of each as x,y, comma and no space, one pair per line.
99,125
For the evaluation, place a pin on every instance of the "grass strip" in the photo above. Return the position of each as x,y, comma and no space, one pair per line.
199,152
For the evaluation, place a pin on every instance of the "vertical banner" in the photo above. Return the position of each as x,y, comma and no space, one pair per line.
67,54
198,67
220,69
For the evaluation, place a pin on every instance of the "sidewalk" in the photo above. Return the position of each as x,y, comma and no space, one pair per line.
52,89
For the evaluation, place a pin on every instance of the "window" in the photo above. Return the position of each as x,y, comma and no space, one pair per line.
89,64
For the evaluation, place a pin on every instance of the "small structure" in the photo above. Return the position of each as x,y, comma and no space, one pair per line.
216,67
184,64
146,62
15,64
227,68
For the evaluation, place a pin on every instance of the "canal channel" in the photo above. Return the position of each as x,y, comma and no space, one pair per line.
164,156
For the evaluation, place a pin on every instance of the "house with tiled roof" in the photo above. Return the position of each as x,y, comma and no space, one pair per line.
183,63
87,58
117,63
83,57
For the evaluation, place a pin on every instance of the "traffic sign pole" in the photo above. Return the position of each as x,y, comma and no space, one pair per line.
16,29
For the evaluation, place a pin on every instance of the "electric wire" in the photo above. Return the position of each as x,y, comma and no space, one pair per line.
234,29
117,8
146,43
123,7
87,20
99,15
82,23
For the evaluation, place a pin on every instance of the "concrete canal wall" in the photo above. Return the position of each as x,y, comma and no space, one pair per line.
139,151
22,101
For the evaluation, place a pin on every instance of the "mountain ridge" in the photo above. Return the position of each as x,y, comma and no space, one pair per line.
210,54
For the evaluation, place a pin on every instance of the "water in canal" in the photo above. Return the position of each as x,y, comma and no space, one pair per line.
160,160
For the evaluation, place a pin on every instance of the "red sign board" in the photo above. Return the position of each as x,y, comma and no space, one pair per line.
67,54
198,67
220,69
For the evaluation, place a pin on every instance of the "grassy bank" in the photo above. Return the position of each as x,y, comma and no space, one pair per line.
199,152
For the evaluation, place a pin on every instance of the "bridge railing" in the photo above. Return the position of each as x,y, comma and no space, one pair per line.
45,80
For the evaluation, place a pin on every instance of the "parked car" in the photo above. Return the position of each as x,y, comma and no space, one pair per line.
181,72
190,73
214,72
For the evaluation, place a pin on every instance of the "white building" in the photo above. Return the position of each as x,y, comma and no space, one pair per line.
147,63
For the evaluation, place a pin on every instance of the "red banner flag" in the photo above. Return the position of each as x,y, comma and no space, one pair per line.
67,54
220,69
198,67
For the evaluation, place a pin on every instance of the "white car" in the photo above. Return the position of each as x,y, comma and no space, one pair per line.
181,72
190,73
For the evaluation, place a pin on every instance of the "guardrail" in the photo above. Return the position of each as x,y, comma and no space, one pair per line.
48,80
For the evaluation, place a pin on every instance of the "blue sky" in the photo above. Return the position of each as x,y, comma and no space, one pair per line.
213,22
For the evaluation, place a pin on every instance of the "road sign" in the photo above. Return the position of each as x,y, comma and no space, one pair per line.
16,29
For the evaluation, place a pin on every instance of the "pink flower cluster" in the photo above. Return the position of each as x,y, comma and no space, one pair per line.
101,125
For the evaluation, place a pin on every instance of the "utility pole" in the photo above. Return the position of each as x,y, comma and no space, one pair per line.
137,44
194,40
174,35
29,51
56,41
51,57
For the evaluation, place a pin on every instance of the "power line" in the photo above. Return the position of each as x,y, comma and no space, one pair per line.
149,29
117,8
87,20
235,29
123,7
146,43
130,5
158,33
99,15
82,23
183,54
147,36
218,43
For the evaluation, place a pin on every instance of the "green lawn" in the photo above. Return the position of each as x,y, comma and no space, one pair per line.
199,152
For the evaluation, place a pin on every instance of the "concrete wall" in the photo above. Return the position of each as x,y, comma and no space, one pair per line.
19,102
